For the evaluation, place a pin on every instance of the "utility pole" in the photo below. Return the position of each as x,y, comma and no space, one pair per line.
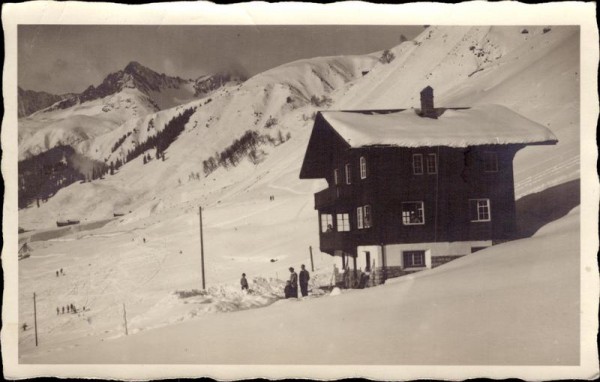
312,264
202,251
125,319
35,319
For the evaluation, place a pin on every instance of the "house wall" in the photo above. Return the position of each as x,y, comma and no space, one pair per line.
435,253
390,181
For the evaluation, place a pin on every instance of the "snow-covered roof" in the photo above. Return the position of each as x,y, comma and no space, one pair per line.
479,125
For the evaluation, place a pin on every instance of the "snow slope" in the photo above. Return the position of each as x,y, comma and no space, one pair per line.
535,74
527,290
244,230
123,96
45,129
218,120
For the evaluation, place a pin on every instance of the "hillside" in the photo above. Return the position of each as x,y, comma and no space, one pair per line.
144,257
279,98
123,96
30,101
535,73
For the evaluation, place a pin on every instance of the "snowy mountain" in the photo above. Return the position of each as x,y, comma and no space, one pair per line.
205,85
532,70
135,76
30,101
122,96
145,256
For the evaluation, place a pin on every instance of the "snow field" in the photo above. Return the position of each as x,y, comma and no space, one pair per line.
432,317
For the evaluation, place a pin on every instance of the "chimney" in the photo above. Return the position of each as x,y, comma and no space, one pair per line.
427,109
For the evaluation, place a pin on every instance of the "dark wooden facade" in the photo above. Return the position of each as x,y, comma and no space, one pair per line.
390,180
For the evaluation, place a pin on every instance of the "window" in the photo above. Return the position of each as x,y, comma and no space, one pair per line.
359,218
479,210
413,259
363,167
367,222
336,176
363,217
412,213
326,223
343,222
348,174
431,163
417,164
490,161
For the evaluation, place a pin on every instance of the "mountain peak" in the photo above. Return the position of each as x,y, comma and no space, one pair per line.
135,67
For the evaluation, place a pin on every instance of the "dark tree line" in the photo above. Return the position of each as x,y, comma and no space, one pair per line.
161,140
245,146
42,175
120,141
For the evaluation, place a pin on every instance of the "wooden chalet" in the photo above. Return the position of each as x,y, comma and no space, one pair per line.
411,189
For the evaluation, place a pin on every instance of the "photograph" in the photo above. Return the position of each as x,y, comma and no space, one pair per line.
374,199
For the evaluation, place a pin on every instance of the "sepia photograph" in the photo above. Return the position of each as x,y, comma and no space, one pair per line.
332,194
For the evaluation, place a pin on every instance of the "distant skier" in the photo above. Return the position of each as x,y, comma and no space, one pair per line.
244,282
61,271
144,240
304,277
294,282
68,309
56,273
63,310
57,311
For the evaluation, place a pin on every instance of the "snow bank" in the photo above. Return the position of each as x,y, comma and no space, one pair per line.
480,125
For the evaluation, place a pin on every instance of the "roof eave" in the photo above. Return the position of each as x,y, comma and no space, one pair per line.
391,145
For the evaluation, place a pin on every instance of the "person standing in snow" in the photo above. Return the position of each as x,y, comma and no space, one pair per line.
294,282
244,282
287,291
304,277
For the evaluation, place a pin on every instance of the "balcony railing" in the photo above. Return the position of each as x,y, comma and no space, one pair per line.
330,241
325,197
331,195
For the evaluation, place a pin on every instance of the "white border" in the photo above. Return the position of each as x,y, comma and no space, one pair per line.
482,13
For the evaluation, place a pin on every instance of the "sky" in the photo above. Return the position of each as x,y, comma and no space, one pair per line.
69,58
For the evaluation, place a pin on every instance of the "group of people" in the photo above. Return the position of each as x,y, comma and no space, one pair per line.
291,287
60,272
67,309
